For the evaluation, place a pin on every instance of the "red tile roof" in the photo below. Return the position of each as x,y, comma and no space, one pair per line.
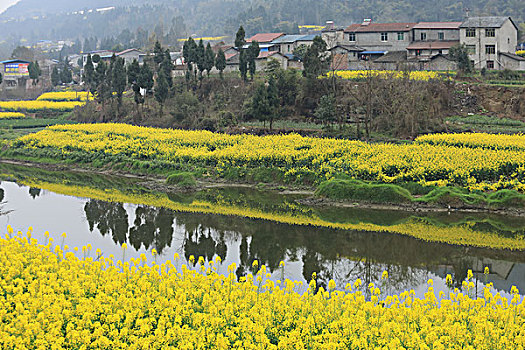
264,37
380,27
437,25
434,45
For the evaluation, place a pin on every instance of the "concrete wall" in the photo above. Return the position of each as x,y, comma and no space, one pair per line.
334,37
512,64
262,62
428,53
372,41
433,34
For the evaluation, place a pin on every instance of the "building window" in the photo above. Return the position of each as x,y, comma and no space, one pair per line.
423,36
441,36
490,49
490,32
490,64
418,52
384,36
351,36
471,32
400,36
471,49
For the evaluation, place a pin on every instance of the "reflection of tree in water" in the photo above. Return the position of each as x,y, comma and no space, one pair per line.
34,192
203,242
153,227
108,218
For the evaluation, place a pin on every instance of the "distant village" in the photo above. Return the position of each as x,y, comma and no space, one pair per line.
492,44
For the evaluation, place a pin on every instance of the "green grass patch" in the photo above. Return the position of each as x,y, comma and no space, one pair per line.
28,123
355,190
181,179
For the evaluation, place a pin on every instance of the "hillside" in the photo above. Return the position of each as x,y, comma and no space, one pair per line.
31,20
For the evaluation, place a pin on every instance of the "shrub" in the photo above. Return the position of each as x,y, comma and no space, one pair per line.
182,179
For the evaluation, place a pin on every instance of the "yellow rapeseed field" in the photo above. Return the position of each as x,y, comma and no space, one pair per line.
61,96
36,106
294,155
414,75
514,142
51,299
464,234
11,115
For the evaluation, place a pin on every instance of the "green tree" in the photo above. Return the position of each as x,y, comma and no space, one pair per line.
66,76
158,54
161,90
167,67
145,79
133,71
300,52
220,62
34,72
273,101
89,75
118,80
459,54
243,56
253,52
240,38
315,62
209,59
201,57
259,107
55,76
325,111
243,64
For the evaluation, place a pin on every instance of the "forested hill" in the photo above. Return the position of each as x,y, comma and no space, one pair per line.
32,20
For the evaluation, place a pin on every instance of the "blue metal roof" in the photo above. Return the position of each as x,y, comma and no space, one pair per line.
288,39
14,61
310,37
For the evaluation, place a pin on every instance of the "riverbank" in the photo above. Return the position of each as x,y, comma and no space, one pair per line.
157,182
470,172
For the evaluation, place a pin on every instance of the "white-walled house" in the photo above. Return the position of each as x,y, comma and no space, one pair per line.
487,38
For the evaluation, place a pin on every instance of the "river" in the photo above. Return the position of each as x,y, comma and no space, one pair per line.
241,224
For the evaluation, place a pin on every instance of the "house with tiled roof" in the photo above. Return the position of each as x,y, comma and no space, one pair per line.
264,38
379,37
487,38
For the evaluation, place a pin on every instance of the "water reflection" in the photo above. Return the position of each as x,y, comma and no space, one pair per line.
333,254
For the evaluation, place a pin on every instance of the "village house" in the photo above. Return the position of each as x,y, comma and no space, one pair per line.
15,73
130,55
288,43
379,38
487,38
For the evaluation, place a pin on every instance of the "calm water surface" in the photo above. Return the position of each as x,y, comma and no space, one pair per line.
333,254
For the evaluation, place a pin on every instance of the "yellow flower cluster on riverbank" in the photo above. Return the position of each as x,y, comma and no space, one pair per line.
294,155
61,96
50,299
463,235
11,115
363,74
514,142
37,106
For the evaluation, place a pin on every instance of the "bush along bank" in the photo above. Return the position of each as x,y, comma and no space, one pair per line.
452,197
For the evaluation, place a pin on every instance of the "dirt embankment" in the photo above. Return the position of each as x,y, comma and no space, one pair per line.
501,100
